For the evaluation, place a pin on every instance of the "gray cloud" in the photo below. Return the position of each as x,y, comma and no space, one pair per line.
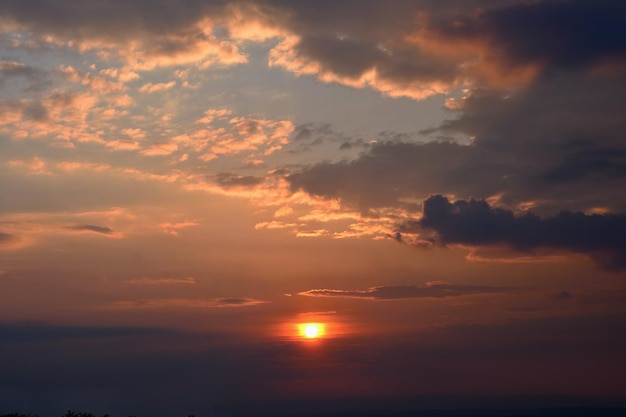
404,44
589,32
557,144
228,180
190,303
431,290
12,70
92,228
115,19
6,237
475,223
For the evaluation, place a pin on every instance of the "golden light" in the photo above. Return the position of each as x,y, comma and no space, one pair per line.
311,330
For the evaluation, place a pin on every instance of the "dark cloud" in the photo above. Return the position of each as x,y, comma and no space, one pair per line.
475,223
565,34
92,228
558,144
431,290
420,48
386,174
413,47
109,18
228,180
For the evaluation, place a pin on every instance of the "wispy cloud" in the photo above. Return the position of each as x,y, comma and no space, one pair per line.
224,302
103,230
162,281
430,290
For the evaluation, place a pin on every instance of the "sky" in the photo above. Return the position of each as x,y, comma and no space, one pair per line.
438,187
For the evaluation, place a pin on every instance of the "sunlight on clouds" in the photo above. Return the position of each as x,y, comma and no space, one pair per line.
173,228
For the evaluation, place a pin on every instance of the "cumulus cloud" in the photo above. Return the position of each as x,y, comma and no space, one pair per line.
476,223
173,35
415,48
150,88
430,290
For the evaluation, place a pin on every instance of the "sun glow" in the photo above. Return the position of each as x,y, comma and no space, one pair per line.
311,330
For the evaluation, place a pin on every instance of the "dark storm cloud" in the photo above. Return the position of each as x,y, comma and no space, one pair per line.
475,223
91,228
565,34
431,290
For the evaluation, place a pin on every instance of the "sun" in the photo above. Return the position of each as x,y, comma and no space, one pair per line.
311,330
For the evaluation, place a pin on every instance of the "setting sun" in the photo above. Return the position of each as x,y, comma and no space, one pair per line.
311,330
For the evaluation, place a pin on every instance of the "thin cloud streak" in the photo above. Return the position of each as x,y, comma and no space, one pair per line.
398,292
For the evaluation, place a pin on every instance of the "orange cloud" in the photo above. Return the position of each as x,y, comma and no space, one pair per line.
150,88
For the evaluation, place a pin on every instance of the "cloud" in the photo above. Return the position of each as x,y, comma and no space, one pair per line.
224,302
430,290
228,180
415,48
92,228
476,223
162,281
160,149
419,48
173,35
6,238
13,70
558,144
589,33
150,88
173,228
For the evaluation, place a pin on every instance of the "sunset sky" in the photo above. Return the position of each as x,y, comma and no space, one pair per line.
185,184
